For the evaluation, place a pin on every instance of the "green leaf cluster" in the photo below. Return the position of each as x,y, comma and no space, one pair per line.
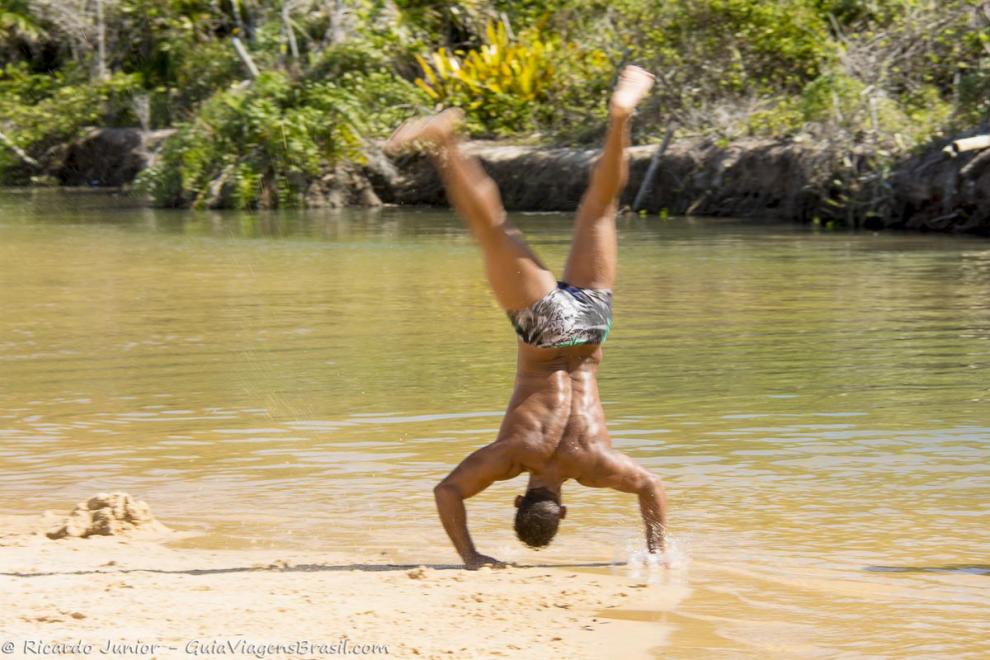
263,144
500,84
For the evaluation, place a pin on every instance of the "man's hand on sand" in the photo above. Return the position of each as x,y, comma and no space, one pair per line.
478,560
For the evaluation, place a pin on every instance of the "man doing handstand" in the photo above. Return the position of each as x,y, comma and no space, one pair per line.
554,427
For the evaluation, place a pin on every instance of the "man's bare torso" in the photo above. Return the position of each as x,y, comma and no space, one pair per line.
554,429
554,425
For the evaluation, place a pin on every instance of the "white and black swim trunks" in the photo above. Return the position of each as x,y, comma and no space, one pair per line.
567,316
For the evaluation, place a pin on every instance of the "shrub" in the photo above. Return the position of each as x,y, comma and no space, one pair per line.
833,96
784,117
40,113
974,96
499,85
261,145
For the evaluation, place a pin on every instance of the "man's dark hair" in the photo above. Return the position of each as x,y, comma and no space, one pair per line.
537,518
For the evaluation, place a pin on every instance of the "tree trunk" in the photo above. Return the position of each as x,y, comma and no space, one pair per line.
647,186
101,42
335,31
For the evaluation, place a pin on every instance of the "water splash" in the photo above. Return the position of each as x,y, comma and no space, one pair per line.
644,566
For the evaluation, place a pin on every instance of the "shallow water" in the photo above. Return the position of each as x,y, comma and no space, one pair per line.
817,402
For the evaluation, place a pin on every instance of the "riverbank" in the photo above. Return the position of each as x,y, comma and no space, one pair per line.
146,598
798,179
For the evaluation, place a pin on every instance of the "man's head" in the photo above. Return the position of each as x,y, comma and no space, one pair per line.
538,514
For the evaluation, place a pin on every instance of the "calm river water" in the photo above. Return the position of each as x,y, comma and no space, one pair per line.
818,403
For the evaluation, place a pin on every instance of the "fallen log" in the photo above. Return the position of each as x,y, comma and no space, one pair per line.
963,145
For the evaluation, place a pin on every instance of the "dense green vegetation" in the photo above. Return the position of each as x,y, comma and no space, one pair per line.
337,74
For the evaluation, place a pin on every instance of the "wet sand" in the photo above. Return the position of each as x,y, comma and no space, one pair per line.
136,593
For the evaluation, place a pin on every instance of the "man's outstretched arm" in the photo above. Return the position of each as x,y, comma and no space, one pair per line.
653,506
618,471
475,473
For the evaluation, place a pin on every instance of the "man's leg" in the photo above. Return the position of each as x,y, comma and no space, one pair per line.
591,263
517,277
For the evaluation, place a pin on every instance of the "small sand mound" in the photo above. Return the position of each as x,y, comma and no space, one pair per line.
418,573
107,514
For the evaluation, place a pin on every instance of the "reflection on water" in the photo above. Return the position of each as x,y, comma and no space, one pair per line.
817,402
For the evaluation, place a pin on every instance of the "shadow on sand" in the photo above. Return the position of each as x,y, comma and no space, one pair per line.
298,568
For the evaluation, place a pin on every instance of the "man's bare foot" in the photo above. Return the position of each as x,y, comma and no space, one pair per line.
425,131
633,85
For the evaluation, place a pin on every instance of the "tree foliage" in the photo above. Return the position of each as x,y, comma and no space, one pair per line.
502,83
339,73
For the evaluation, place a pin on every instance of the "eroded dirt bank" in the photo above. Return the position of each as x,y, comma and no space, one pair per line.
793,180
800,180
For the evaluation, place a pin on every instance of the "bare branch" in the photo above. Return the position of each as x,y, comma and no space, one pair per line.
20,152
245,58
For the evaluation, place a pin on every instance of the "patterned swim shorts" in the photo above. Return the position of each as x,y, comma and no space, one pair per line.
567,316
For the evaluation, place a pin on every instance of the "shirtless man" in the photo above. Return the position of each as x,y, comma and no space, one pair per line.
554,427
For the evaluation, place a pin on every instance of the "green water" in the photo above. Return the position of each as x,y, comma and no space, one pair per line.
817,403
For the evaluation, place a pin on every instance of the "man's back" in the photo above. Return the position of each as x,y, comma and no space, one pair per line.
555,420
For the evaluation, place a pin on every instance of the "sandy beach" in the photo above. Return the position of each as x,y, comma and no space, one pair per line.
138,597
